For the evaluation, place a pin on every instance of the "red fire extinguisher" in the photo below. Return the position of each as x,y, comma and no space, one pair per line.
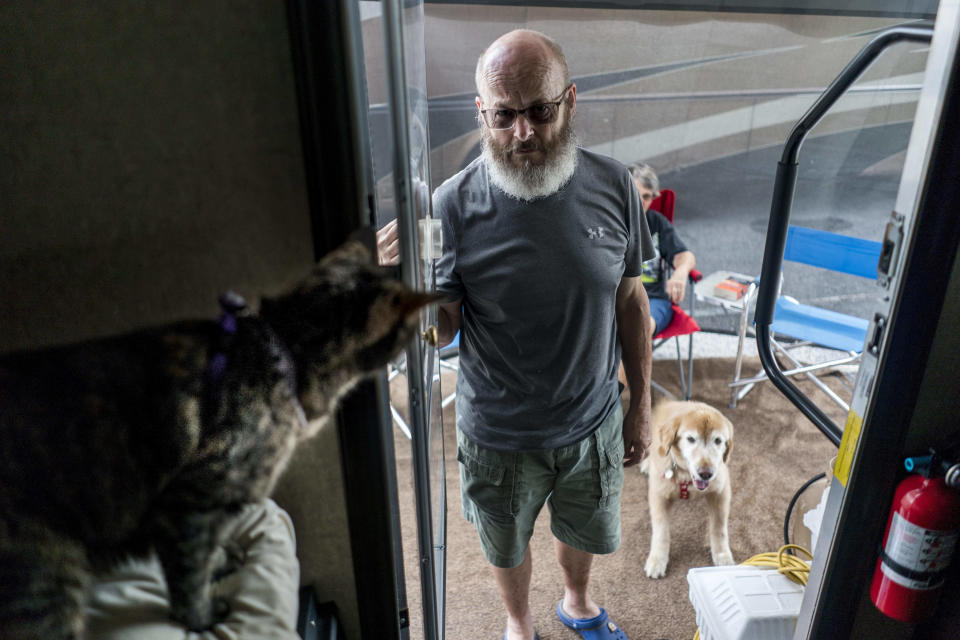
921,535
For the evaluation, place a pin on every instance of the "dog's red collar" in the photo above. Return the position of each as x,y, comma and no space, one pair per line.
670,474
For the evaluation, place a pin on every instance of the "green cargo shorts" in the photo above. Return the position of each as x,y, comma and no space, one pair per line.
502,493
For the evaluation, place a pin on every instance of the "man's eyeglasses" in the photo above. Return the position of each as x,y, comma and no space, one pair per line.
536,114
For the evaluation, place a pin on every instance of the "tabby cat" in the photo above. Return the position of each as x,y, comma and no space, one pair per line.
153,439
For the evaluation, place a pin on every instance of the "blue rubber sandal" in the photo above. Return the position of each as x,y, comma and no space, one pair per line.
596,628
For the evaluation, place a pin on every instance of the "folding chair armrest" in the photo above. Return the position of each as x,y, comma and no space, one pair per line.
693,278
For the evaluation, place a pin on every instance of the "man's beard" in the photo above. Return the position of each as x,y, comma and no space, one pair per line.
529,181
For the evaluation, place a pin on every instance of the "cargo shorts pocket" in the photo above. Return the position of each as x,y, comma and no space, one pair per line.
609,439
485,484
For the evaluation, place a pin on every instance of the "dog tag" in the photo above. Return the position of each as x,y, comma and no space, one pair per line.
668,474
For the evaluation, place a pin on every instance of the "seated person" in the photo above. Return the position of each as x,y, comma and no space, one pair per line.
671,249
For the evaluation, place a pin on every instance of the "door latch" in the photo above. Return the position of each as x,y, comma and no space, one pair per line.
431,239
890,250
875,334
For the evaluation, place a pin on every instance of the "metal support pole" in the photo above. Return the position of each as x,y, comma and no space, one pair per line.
410,273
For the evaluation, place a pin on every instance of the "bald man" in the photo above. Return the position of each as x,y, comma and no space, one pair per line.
543,245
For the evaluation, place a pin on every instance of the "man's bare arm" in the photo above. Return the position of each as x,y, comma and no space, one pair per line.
633,311
448,320
676,286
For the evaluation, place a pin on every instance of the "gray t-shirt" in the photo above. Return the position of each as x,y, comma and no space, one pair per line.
538,280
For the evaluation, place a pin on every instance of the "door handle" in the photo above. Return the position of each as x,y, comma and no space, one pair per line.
431,336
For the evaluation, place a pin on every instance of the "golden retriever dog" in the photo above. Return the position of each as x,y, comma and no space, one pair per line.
691,442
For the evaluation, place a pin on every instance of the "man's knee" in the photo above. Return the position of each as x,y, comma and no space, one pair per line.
660,314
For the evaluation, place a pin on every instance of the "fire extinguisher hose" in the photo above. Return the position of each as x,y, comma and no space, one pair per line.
785,563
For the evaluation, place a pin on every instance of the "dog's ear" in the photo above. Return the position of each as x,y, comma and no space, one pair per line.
667,436
728,446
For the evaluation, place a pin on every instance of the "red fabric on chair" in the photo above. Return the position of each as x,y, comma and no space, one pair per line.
664,203
681,324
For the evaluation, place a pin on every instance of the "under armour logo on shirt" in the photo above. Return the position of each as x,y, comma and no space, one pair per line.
595,233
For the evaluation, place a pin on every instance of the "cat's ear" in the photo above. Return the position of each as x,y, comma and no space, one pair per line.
353,251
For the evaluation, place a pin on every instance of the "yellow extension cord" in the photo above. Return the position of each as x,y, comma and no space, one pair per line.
790,566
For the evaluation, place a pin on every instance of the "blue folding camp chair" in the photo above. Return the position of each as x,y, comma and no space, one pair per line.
808,325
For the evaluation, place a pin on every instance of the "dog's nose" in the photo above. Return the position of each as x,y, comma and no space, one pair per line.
705,473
